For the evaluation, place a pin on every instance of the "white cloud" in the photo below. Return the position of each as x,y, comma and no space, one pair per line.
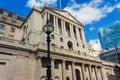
91,28
87,13
118,5
41,3
95,44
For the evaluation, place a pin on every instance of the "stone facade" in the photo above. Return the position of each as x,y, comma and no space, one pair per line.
26,60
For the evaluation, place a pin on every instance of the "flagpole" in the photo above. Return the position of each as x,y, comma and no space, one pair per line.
60,5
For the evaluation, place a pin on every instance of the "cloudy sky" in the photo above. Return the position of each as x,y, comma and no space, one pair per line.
91,13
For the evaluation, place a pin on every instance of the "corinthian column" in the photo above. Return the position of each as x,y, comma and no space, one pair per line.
73,71
63,70
52,68
103,75
83,71
97,78
90,72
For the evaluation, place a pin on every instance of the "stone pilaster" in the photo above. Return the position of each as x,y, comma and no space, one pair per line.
102,73
52,68
83,71
71,30
63,70
90,72
73,71
96,73
77,33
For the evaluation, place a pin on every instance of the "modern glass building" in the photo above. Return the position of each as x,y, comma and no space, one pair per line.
110,35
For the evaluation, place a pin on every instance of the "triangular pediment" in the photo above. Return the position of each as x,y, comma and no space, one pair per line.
66,14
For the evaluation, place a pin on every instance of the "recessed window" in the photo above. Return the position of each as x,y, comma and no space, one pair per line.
56,65
13,21
5,13
14,16
4,18
2,27
83,46
44,62
61,47
12,29
61,39
52,44
52,37
10,38
67,66
67,78
1,35
77,44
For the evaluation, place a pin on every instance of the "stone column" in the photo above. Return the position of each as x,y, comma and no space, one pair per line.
48,16
73,71
71,30
45,18
102,73
52,68
56,22
97,78
83,36
38,68
77,33
80,33
63,27
63,70
90,72
83,71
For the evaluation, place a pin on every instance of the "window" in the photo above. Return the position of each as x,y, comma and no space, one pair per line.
12,29
56,65
83,46
61,47
52,37
77,44
2,27
4,18
5,13
44,62
1,35
61,39
67,66
10,38
13,21
14,16
67,78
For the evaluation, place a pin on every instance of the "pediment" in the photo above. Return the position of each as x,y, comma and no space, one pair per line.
66,14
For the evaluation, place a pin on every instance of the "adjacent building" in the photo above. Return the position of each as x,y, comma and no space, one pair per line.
10,25
109,35
112,55
72,58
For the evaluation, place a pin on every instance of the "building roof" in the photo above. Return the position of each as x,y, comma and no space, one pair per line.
63,13
11,13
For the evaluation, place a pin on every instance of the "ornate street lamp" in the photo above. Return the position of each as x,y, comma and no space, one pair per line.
48,29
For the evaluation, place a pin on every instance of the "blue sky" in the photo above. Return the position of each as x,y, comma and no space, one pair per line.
91,13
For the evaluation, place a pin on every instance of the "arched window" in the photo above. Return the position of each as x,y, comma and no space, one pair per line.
67,78
77,44
77,74
56,78
70,45
61,39
43,78
52,37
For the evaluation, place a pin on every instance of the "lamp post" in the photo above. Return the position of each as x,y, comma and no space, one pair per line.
48,29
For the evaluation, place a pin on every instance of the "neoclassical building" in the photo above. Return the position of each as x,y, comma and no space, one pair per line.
72,58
